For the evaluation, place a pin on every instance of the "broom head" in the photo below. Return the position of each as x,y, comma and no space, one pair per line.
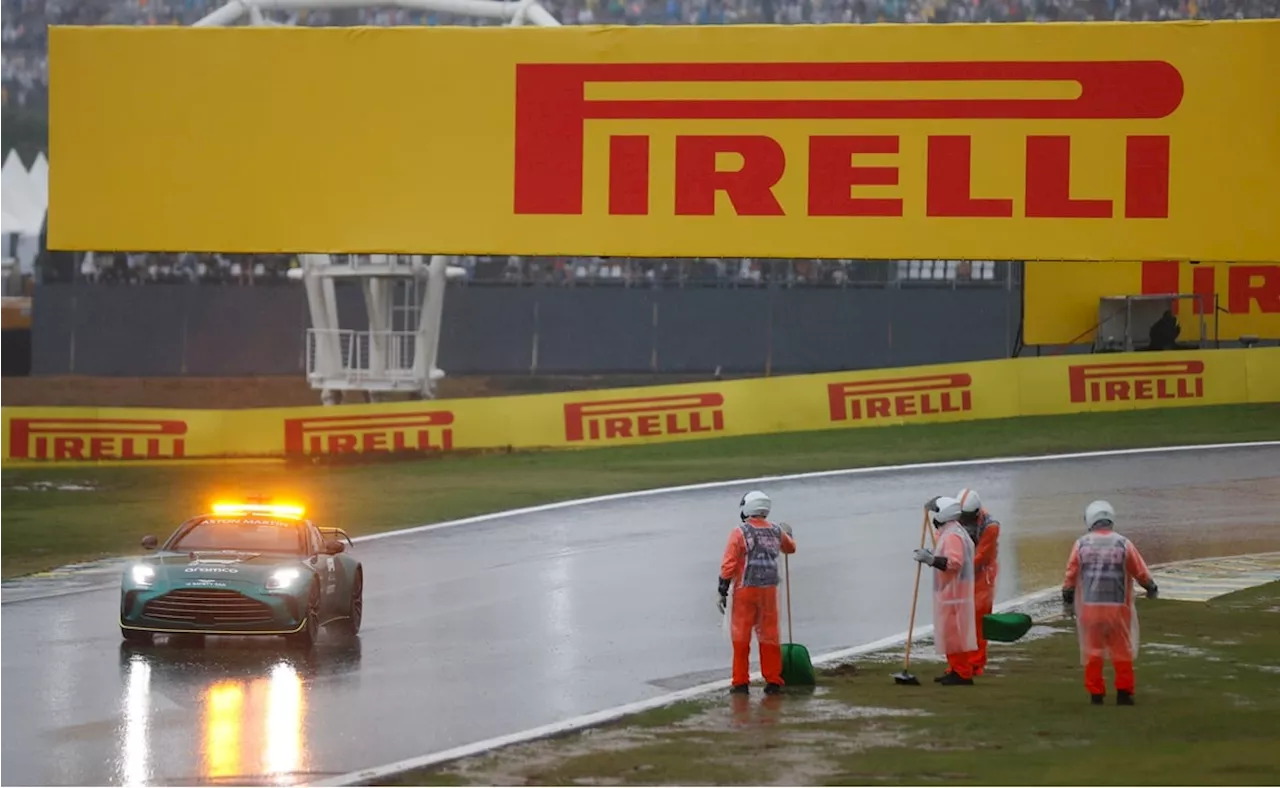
797,668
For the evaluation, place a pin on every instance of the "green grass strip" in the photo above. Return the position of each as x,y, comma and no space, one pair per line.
46,526
1207,694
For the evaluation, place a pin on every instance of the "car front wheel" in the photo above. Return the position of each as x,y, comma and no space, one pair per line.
306,637
349,625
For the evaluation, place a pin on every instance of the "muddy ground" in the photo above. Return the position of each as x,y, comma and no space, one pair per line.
1207,685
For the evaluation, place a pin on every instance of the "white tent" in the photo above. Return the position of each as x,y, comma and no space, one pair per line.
39,175
24,201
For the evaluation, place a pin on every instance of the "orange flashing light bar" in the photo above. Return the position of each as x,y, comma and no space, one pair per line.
274,509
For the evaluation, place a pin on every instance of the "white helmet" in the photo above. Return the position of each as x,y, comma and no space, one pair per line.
948,510
755,504
970,503
1099,512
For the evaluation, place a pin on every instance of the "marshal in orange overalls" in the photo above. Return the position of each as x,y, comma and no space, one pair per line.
986,570
751,561
1099,583
954,634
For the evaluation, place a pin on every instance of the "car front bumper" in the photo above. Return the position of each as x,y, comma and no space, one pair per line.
228,609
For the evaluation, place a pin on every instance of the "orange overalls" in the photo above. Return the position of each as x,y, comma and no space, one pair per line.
1102,569
953,619
751,561
986,568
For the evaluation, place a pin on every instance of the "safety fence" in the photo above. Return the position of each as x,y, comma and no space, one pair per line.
239,331
942,393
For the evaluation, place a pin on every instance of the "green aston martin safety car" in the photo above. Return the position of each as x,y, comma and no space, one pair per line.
244,569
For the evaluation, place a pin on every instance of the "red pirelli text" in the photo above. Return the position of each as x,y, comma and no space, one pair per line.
369,433
1151,380
97,439
1249,289
552,109
900,398
643,417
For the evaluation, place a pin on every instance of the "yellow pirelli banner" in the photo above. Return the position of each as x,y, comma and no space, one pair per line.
1060,298
1018,141
624,417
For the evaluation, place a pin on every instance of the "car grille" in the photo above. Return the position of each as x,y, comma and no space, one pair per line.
208,607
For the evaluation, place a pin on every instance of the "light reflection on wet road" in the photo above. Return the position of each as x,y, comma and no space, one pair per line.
492,628
249,705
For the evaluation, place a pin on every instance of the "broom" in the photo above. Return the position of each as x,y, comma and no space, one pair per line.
906,677
797,668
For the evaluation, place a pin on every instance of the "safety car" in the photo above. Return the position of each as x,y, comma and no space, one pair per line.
244,569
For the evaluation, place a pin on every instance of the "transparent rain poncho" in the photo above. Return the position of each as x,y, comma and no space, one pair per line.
1105,565
954,626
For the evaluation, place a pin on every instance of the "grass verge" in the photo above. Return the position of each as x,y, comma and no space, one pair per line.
1208,690
55,516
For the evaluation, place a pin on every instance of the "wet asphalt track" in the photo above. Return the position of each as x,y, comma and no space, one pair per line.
489,629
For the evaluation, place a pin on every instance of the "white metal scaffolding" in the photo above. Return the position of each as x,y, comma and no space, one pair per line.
517,13
403,295
404,302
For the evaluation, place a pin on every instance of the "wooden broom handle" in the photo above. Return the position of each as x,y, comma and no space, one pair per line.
915,594
786,573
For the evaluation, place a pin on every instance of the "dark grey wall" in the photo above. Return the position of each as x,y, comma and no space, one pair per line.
164,330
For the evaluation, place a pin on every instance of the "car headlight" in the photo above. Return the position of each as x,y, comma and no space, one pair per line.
282,579
142,574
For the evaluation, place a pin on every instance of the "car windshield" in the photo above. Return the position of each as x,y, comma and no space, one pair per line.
247,534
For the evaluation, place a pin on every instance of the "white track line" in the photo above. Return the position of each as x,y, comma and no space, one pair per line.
920,466
609,715
63,592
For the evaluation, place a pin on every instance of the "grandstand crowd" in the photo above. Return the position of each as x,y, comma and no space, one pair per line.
25,22
122,268
26,69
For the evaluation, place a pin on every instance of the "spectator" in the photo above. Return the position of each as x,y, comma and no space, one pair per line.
1164,332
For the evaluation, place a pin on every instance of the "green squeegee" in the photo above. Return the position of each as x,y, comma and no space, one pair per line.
1005,627
797,668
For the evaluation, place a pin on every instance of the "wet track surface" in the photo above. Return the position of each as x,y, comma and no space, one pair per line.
492,628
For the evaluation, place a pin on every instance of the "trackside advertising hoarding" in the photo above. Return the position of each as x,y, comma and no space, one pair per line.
1060,299
1067,141
625,417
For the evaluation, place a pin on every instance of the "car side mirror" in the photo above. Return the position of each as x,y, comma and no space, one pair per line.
333,547
149,542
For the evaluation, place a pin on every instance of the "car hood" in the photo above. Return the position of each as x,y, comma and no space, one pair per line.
176,568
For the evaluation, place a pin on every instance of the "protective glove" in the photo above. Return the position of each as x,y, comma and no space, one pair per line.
932,503
786,528
1068,601
923,554
723,589
1153,590
722,603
